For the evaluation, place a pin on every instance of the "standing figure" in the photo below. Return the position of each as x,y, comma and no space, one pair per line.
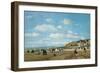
76,53
85,50
44,52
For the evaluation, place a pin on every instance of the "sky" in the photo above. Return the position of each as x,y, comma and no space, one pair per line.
45,29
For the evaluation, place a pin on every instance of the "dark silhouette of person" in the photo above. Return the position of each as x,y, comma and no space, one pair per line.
76,52
44,52
84,49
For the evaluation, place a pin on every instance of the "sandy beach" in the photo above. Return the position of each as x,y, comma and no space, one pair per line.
65,55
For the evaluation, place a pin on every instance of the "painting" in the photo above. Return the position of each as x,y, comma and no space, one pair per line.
52,36
56,36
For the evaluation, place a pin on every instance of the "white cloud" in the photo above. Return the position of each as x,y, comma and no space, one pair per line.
82,38
34,34
67,21
45,28
76,33
60,43
59,27
69,31
71,34
57,36
48,19
61,36
29,16
74,36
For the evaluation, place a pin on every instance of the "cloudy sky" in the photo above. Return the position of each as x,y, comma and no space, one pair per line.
43,29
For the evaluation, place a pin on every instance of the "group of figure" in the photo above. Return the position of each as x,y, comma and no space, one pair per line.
54,51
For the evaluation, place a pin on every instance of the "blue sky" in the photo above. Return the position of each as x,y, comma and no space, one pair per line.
45,29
